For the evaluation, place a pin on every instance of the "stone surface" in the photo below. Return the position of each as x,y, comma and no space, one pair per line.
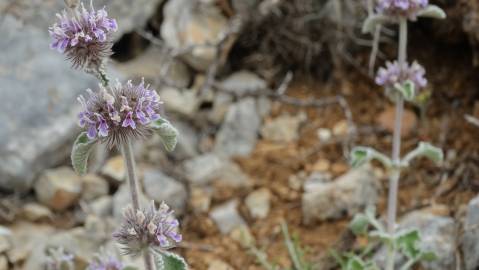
102,206
345,196
3,263
219,265
324,134
5,239
187,146
258,203
183,102
58,188
93,187
114,169
242,82
39,91
160,187
151,63
227,217
206,168
242,235
283,129
438,235
36,212
239,132
189,23
122,199
129,15
221,103
470,241
200,200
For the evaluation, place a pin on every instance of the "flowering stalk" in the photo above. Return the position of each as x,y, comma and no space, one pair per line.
396,148
401,81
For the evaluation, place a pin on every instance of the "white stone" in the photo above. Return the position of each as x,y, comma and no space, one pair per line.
227,217
258,203
93,187
160,187
283,129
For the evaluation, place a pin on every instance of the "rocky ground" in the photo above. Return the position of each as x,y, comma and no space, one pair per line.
258,145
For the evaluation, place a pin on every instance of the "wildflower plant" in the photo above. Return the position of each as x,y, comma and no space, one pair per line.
402,82
117,115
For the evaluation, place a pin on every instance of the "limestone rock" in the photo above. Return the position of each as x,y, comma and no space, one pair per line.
160,187
58,188
227,217
93,187
258,203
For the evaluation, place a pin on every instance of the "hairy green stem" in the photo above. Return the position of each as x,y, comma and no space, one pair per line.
396,148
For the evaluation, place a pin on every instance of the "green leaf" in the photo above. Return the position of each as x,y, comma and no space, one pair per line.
408,243
428,256
372,21
407,90
170,261
424,149
355,263
359,224
432,11
361,155
168,133
80,152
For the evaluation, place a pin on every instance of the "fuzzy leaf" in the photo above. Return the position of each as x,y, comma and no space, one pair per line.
80,152
170,261
355,263
426,150
407,90
432,11
428,256
359,224
408,243
361,155
372,21
168,133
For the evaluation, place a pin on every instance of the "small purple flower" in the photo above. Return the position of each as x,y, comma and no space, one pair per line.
393,73
103,261
59,259
84,36
121,112
401,8
148,228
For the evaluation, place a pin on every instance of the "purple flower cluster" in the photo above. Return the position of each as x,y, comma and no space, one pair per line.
105,262
401,8
85,36
58,259
122,112
393,73
148,228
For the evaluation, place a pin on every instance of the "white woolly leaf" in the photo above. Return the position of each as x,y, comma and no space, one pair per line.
168,133
432,11
424,149
372,21
170,261
80,152
361,155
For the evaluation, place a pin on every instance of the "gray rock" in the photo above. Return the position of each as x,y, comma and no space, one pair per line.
242,82
58,188
470,241
36,212
188,23
258,203
93,187
206,168
200,200
284,129
38,117
227,217
187,146
102,206
345,196
114,169
130,15
219,265
184,102
438,235
122,199
239,132
221,103
160,187
5,239
151,63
